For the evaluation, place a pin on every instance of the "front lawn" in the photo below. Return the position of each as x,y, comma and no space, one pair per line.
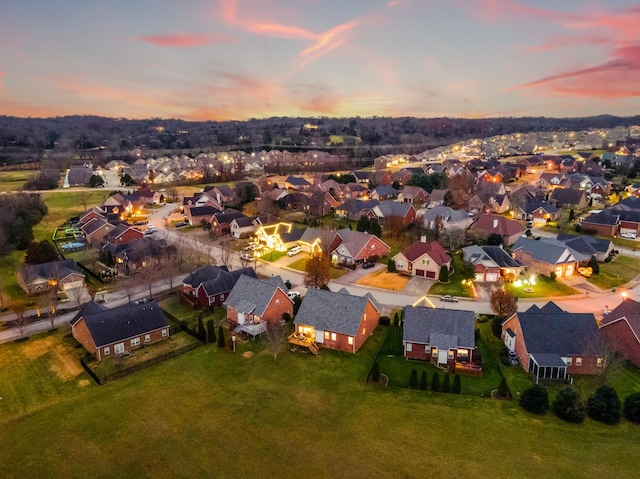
301,265
385,280
544,287
454,287
616,272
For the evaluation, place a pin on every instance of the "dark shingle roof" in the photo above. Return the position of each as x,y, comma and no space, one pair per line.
439,327
53,269
544,251
112,325
328,311
205,273
225,281
252,295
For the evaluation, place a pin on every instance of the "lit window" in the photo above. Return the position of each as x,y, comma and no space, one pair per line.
135,341
333,336
350,340
434,352
364,331
599,362
578,361
107,351
365,316
409,347
147,338
326,335
450,355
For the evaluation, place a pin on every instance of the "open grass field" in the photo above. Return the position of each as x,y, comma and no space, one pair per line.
13,180
385,280
213,413
617,272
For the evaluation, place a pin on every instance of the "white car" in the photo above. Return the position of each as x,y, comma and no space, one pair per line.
293,294
246,257
294,251
628,235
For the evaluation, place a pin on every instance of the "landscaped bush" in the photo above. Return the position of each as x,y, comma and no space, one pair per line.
446,384
569,407
503,389
444,274
535,399
211,332
604,405
496,326
391,266
483,318
632,408
435,382
457,385
413,379
375,372
423,381
552,275
221,342
384,321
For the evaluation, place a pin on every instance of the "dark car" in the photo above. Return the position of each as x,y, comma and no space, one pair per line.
513,358
180,224
368,264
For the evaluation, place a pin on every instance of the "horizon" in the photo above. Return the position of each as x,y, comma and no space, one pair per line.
237,60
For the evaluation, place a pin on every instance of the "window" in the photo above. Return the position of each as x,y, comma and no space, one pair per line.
118,348
409,347
326,335
365,316
599,362
107,351
578,361
221,297
147,338
425,261
434,352
135,341
568,361
164,333
364,331
277,302
333,336
350,340
450,354
373,246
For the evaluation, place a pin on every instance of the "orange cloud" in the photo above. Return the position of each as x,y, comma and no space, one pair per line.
186,39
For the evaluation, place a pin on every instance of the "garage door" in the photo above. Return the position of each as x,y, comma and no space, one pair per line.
431,274
420,272
492,277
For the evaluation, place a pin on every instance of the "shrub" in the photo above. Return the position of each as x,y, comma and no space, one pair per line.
496,326
413,379
435,382
535,399
457,384
503,390
444,274
211,332
552,275
201,331
384,321
632,408
446,384
396,319
423,381
221,342
375,372
391,266
286,317
604,405
287,283
483,318
568,406
577,228
593,264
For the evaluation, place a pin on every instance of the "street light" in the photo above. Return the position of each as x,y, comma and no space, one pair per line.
233,342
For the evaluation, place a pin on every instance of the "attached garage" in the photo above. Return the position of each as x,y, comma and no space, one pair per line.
491,277
421,272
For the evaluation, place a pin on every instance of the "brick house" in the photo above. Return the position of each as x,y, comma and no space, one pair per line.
551,343
491,263
386,211
545,257
122,234
413,194
338,321
440,336
422,259
95,230
252,303
356,247
108,332
52,276
621,330
488,224
209,286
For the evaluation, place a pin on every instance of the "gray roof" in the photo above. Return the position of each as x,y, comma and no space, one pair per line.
312,234
441,328
489,256
530,207
225,281
79,175
108,326
204,273
585,244
545,251
328,311
549,330
250,295
354,241
393,208
297,181
446,213
54,269
549,360
384,190
354,206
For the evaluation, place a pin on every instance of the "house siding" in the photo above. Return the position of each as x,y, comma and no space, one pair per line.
621,338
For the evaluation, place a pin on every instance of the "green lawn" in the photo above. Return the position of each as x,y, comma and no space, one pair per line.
14,179
617,272
544,287
454,287
173,306
301,265
211,412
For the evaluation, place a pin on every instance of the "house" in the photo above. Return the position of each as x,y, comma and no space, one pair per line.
588,245
552,344
439,336
106,332
244,226
386,211
548,181
353,190
422,259
446,216
538,212
252,303
356,247
353,209
524,195
209,286
297,183
489,224
52,276
383,192
198,215
436,198
221,222
140,253
403,176
620,330
122,234
316,239
362,176
491,263
493,175
413,195
223,194
543,257
95,230
278,236
79,175
338,321
624,217
568,198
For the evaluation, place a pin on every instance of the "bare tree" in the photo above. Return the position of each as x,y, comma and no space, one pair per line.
317,271
612,362
53,299
455,238
503,303
78,295
275,337
171,268
149,275
128,284
19,307
227,255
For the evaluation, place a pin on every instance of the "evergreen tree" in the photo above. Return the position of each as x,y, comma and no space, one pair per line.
604,405
221,342
593,264
423,381
568,406
632,408
435,382
374,227
202,333
535,399
363,224
396,319
446,385
375,372
211,332
413,380
391,266
503,390
444,274
572,215
457,384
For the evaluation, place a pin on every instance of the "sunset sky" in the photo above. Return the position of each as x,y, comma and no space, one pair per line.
240,59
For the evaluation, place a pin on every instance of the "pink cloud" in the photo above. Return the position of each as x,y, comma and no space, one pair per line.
186,39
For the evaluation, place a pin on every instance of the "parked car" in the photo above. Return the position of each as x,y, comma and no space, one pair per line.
513,358
628,235
246,257
368,264
448,298
294,251
180,224
293,294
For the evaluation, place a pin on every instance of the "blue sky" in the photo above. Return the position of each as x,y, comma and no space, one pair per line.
239,59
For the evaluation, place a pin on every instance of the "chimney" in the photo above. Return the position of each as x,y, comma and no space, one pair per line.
423,239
